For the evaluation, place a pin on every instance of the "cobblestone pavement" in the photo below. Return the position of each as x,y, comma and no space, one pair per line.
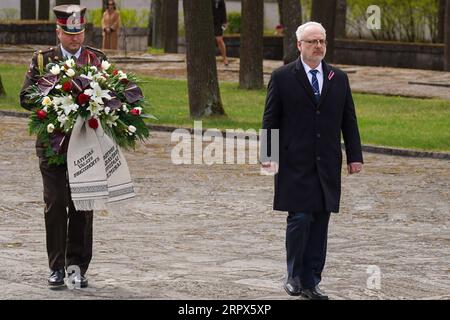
377,80
208,232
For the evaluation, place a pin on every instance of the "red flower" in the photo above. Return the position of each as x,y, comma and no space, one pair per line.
93,123
67,86
41,114
115,72
135,112
82,99
125,81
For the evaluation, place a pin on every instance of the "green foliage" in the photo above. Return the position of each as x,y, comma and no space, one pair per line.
234,22
306,10
9,14
94,16
389,121
129,18
152,50
401,20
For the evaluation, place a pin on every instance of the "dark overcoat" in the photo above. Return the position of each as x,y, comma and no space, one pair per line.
310,157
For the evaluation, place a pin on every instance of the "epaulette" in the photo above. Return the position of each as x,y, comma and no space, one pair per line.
96,50
40,58
44,51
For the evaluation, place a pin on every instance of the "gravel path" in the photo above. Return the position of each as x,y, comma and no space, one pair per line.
208,232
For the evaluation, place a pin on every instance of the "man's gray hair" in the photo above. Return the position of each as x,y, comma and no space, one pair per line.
302,28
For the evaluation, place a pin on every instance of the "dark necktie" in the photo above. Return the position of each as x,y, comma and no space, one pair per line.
315,84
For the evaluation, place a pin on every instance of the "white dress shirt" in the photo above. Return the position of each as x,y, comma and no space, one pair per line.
319,74
67,54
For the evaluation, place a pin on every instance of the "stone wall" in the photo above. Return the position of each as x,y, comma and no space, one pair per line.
362,52
43,33
390,54
28,33
136,39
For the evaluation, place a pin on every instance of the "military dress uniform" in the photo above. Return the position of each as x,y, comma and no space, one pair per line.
68,232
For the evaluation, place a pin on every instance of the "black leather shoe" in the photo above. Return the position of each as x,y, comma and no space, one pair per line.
56,278
79,281
292,289
314,294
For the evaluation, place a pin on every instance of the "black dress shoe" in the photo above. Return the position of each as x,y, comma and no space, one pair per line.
56,278
314,294
292,289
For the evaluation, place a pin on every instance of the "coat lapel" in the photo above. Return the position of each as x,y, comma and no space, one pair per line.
301,76
327,74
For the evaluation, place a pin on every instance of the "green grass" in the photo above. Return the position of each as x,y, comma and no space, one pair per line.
389,121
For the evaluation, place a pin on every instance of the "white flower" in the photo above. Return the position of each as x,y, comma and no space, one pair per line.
58,86
46,101
70,72
107,110
122,75
99,77
125,108
94,68
62,119
87,76
45,109
97,93
55,70
94,108
105,65
131,129
111,119
50,128
70,63
66,103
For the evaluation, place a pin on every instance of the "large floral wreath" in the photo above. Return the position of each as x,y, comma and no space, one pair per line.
92,89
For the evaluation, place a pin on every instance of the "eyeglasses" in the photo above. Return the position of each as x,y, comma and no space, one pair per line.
322,42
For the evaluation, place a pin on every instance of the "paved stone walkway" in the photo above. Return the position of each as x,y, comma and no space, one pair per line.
378,80
208,232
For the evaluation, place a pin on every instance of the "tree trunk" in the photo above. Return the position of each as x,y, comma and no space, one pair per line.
28,9
60,2
44,10
292,18
158,24
251,51
203,86
2,89
441,21
150,24
341,18
280,11
447,37
171,26
324,11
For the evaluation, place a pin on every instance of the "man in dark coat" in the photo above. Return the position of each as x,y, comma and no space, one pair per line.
220,24
68,232
310,103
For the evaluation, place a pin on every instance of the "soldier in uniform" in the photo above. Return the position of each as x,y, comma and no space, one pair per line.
68,232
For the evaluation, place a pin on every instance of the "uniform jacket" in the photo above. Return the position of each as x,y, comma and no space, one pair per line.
37,66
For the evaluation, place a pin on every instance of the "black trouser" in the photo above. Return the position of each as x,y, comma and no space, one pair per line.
306,247
68,232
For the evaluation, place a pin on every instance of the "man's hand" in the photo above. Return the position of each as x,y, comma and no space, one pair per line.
354,167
